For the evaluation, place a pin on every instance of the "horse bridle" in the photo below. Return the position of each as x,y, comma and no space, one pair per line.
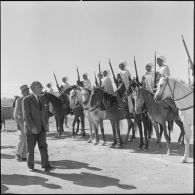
172,94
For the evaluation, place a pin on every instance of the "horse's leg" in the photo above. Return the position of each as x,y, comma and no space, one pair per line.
56,119
139,124
161,130
166,136
78,123
130,125
83,124
73,124
118,132
155,125
96,140
187,141
114,132
181,137
146,127
133,130
170,128
101,122
90,126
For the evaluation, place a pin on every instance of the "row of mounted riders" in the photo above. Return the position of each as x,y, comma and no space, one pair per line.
99,106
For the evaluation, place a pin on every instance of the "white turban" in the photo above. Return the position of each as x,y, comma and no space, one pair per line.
162,58
149,64
85,74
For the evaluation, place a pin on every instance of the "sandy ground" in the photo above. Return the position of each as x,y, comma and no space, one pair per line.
83,167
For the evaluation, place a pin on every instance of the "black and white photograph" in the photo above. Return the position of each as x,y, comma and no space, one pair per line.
97,97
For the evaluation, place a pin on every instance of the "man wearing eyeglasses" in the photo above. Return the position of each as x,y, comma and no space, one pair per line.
35,118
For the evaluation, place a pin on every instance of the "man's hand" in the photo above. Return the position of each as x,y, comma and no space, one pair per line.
34,130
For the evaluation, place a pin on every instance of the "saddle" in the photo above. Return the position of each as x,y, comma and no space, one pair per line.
170,104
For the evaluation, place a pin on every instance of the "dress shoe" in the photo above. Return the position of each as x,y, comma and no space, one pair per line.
49,168
23,159
31,169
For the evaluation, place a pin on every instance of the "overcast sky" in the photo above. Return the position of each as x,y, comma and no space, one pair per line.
38,38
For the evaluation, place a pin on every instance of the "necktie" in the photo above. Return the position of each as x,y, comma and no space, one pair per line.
39,102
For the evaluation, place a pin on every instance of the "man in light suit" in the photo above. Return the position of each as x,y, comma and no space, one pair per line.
18,116
35,125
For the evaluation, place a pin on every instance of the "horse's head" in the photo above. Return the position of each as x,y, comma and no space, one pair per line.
138,99
164,89
85,93
96,96
47,96
75,98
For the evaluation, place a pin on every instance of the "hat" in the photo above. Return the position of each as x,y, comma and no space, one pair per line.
149,64
124,63
64,78
23,87
162,58
85,74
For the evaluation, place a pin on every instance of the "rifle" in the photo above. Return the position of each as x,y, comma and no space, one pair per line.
189,58
59,89
137,78
96,81
78,75
155,70
115,80
100,81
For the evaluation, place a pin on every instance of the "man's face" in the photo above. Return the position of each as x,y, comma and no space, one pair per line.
159,61
25,92
84,77
105,73
148,68
121,66
37,89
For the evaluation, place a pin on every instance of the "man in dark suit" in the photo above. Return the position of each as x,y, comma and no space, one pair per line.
35,125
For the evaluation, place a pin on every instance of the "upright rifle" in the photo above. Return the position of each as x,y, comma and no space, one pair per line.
100,81
96,81
155,70
189,58
137,78
115,80
78,76
59,89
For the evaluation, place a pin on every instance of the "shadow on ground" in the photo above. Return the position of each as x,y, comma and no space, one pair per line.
90,180
7,156
70,164
10,147
24,180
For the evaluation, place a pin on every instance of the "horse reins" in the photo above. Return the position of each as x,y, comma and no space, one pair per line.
172,93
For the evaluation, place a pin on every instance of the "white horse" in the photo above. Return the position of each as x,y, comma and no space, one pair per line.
183,97
95,117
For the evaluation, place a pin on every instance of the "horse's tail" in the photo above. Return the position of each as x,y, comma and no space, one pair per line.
170,125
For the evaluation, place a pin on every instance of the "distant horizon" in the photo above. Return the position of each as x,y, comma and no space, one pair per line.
39,38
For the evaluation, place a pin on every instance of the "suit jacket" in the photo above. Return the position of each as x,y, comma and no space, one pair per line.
34,114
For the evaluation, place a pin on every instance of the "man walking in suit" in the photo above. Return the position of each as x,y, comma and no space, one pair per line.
35,125
18,116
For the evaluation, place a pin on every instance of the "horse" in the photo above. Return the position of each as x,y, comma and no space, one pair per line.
61,108
138,118
115,111
147,122
77,110
182,95
95,117
157,112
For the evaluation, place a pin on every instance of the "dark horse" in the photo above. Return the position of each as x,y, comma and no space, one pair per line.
115,111
60,109
138,118
157,112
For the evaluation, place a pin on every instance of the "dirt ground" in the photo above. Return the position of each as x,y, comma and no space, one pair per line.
83,167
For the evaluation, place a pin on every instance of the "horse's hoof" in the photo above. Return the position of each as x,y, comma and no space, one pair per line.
145,149
89,141
83,134
103,143
95,143
183,160
113,143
